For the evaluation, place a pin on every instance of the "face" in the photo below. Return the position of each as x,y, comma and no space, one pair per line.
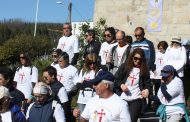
100,88
40,98
167,79
47,78
92,65
55,57
3,82
175,44
139,35
66,30
120,39
62,63
161,49
137,60
108,37
22,59
88,38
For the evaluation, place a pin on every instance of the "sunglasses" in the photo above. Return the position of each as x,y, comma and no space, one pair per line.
92,62
138,35
21,57
54,56
86,35
107,35
66,28
136,58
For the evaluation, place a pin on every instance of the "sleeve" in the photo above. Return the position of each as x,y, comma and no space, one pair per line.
62,94
75,75
119,79
16,77
80,77
175,88
183,59
59,114
124,114
152,55
59,44
34,75
76,45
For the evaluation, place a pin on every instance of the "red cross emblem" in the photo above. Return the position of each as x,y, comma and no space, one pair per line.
101,113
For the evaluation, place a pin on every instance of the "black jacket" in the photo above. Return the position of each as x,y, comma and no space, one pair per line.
92,47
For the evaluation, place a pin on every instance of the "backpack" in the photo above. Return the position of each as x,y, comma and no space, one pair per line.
17,115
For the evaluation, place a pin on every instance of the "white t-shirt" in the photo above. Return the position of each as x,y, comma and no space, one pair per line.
175,89
105,50
87,93
70,45
68,77
120,52
58,114
6,117
55,66
112,109
159,62
62,95
177,58
24,77
133,86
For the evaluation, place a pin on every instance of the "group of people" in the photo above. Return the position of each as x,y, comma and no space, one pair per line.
117,79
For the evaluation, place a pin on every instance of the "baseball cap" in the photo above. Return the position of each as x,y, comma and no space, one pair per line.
42,88
176,39
167,70
103,75
4,92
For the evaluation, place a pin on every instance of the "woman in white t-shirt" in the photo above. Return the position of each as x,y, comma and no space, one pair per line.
89,71
159,62
133,82
109,37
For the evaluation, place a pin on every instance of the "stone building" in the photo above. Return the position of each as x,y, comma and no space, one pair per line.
129,14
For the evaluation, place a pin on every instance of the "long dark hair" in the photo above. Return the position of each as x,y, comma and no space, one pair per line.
27,58
130,64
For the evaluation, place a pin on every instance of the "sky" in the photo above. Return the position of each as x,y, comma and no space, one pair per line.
49,10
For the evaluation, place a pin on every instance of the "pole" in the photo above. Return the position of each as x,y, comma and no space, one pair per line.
70,11
36,17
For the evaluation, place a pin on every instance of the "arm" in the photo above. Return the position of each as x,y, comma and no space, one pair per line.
74,59
152,56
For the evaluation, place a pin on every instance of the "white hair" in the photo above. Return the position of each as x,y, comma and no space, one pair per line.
110,84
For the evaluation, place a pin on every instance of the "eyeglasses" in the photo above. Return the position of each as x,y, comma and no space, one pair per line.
22,57
136,58
66,28
119,39
107,35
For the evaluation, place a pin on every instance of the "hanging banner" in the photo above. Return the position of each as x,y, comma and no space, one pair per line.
155,16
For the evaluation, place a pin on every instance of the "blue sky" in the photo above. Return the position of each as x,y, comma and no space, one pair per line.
49,10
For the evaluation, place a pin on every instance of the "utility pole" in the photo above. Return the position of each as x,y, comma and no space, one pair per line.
70,11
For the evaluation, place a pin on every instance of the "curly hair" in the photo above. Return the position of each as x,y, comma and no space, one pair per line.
90,58
130,64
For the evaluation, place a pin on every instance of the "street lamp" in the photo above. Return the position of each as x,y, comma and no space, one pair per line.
69,8
37,4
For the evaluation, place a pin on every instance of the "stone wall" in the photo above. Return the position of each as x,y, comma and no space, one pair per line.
129,14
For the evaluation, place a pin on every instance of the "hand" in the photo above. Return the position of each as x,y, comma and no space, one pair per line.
76,112
145,93
124,88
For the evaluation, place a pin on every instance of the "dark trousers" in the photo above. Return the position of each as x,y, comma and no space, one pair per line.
135,108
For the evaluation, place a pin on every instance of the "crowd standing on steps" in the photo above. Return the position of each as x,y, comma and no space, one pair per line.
119,81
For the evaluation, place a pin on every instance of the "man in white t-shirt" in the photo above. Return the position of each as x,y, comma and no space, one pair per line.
69,43
120,52
106,106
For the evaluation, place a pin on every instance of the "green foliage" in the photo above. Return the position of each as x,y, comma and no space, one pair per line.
36,47
41,63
